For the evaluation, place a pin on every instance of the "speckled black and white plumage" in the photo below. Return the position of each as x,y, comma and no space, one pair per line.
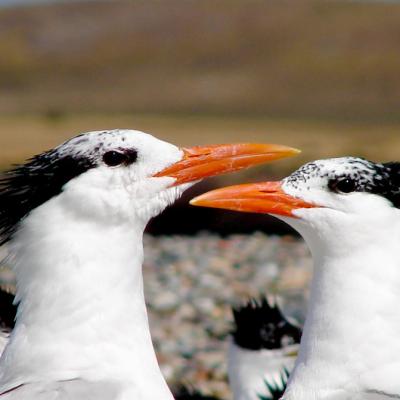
42,177
259,325
27,186
367,176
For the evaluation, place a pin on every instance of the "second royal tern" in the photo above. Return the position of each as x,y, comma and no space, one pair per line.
348,211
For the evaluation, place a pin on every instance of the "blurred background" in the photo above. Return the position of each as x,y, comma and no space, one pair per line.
323,76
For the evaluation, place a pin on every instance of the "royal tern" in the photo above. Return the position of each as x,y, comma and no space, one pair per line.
73,219
347,210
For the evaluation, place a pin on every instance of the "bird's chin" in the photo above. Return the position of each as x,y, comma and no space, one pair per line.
175,192
186,186
155,205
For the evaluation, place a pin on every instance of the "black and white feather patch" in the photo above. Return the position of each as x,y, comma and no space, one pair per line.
366,176
29,185
258,325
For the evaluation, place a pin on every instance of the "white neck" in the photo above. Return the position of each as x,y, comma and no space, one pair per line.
82,313
351,339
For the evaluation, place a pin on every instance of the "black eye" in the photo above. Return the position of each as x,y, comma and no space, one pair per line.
343,185
114,158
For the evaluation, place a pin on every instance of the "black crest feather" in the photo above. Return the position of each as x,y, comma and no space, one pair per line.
258,325
29,185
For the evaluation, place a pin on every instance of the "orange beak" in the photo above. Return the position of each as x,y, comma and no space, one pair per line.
263,198
204,161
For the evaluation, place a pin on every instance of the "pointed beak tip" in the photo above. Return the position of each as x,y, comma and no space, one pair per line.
271,149
290,151
195,201
278,152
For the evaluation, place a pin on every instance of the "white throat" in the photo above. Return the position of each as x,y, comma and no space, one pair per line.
351,341
82,313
